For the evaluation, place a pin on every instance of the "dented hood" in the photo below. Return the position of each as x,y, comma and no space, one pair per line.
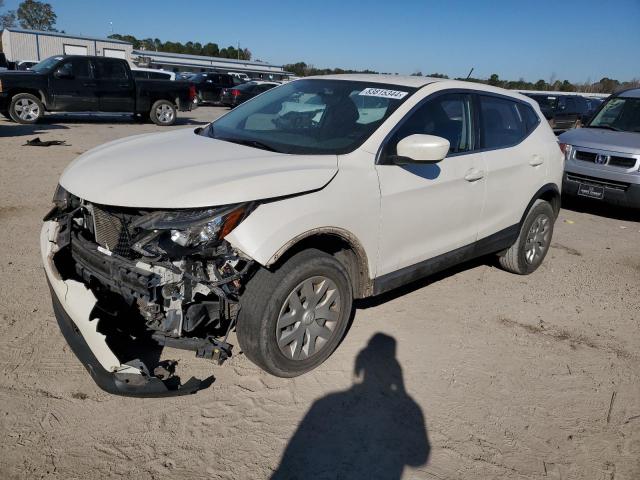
180,169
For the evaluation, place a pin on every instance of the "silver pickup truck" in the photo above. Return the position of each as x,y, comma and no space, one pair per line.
602,160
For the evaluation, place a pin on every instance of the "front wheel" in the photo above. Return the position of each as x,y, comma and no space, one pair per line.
293,318
532,245
163,113
26,108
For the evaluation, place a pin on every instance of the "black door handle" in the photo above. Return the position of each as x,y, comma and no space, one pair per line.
89,84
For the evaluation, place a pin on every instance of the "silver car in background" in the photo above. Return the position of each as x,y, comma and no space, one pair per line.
602,160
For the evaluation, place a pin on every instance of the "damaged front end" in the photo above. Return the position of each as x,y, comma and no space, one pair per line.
125,281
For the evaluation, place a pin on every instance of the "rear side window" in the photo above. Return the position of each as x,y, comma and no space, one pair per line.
530,116
110,70
159,76
502,123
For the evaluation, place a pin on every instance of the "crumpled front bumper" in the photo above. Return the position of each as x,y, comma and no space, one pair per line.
73,304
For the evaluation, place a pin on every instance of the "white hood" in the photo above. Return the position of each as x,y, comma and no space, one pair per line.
180,169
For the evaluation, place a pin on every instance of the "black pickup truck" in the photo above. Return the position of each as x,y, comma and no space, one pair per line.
73,83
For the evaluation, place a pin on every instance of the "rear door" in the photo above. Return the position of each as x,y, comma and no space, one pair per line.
514,159
73,86
116,88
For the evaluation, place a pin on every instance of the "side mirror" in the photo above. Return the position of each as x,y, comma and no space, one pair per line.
422,149
62,74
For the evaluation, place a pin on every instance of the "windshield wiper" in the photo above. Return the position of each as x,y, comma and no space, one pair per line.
605,127
249,143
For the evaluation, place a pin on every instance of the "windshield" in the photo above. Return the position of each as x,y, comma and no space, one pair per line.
546,102
46,64
620,114
311,116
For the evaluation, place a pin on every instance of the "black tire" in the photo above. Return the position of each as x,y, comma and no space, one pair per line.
519,257
266,298
163,113
25,100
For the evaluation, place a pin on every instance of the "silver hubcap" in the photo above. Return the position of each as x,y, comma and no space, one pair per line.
308,318
537,239
27,109
164,113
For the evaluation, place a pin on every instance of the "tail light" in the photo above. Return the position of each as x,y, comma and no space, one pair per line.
235,92
192,92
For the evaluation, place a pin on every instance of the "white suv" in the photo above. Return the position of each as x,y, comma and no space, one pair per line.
273,218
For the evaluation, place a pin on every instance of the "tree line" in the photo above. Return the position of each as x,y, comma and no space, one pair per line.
192,48
604,85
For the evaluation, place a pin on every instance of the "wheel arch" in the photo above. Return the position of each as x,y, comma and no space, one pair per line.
33,91
549,192
340,243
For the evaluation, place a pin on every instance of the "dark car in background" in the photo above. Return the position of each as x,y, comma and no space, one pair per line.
564,112
209,86
79,83
232,97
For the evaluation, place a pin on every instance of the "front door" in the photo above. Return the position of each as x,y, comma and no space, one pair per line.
73,86
116,88
431,209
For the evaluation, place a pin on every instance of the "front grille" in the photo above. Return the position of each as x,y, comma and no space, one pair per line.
585,156
112,232
597,182
625,162
613,160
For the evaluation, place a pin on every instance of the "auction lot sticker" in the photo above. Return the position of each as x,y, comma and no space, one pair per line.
381,92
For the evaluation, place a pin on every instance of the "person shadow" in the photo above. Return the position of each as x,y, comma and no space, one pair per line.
371,431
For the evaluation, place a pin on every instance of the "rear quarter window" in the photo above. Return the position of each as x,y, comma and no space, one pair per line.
530,116
502,122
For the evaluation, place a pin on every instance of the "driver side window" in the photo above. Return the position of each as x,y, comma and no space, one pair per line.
448,116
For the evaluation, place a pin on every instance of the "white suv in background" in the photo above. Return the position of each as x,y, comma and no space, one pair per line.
274,217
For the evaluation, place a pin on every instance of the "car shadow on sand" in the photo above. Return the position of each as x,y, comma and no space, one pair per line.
597,207
8,129
371,431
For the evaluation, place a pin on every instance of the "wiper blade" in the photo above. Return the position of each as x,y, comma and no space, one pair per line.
250,143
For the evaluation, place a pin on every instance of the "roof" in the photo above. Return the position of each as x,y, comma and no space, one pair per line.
64,35
402,80
153,53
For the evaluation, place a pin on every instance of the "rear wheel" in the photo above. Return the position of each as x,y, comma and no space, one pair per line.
26,108
293,318
532,245
163,113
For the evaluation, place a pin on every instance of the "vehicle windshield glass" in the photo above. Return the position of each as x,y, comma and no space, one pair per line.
46,64
619,113
312,116
546,102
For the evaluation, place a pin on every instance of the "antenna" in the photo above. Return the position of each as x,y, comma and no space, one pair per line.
470,72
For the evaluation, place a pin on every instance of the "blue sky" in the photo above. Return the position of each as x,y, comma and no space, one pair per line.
575,40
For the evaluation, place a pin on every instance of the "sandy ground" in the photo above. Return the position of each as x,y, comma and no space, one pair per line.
481,374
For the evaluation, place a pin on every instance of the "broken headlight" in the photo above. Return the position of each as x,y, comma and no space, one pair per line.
190,228
61,198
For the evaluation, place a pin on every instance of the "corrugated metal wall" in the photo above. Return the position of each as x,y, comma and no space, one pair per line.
31,46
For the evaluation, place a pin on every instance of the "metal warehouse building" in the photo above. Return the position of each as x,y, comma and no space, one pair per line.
35,45
178,62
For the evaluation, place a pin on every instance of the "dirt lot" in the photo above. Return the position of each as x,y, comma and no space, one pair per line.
505,377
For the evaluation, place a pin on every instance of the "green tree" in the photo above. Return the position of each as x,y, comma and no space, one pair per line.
34,15
494,80
8,18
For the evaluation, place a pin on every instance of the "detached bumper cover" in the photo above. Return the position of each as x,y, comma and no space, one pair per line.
73,304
